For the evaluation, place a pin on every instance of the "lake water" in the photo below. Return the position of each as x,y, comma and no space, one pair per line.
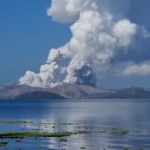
85,115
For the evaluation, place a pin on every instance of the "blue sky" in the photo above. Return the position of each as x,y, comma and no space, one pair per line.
27,34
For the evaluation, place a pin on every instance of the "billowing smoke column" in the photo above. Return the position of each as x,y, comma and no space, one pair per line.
100,30
80,73
49,73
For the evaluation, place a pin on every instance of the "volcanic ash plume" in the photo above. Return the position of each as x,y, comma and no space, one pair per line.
49,73
80,73
100,31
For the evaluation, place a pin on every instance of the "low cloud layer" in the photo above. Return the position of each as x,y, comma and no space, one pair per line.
101,35
137,69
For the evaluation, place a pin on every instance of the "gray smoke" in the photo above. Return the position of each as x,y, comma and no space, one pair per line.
100,31
80,73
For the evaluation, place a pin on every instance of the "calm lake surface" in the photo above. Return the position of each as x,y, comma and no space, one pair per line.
85,115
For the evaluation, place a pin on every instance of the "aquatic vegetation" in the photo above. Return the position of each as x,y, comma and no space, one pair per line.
102,131
37,134
124,131
113,129
15,122
3,143
65,123
63,140
140,148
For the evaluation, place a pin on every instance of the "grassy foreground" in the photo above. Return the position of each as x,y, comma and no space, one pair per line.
37,134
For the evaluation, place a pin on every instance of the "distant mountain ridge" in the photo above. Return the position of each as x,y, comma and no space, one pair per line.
71,91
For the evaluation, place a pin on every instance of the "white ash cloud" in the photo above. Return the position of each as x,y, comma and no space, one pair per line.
100,31
137,69
49,73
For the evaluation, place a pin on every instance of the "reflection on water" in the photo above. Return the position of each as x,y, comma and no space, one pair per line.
86,115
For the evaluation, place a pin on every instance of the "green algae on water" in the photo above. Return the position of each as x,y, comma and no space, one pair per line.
124,131
37,134
3,143
102,131
15,122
